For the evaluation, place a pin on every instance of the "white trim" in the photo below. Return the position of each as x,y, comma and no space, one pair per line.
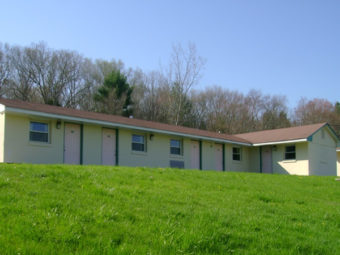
281,142
338,149
2,108
106,123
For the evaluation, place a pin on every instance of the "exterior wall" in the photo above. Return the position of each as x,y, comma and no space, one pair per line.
157,150
92,145
2,136
208,155
19,149
298,166
322,154
338,163
237,166
254,160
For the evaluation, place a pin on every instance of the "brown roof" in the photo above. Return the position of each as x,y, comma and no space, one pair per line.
282,134
117,120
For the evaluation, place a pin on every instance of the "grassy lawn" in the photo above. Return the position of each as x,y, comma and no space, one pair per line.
56,209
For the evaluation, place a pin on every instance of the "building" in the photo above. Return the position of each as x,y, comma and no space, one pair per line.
37,133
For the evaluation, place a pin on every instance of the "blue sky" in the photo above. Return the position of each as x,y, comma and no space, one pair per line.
289,47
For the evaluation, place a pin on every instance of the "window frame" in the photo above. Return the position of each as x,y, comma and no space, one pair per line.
31,130
290,152
239,154
138,143
180,147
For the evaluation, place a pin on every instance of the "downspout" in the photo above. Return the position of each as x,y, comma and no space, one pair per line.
117,147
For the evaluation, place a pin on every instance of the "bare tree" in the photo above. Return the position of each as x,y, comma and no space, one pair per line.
185,71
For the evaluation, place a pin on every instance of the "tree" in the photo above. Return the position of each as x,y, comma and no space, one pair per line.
185,71
4,70
114,96
275,114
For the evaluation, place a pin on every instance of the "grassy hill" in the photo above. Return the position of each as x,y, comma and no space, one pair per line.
57,209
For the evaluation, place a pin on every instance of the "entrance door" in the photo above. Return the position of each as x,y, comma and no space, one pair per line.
219,157
195,155
267,166
72,144
108,147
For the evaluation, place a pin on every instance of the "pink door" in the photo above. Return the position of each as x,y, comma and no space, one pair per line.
267,160
108,147
219,157
195,155
72,144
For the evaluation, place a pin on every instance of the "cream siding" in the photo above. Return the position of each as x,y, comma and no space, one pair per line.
322,153
20,149
299,166
92,145
157,152
2,136
254,159
208,155
233,165
338,163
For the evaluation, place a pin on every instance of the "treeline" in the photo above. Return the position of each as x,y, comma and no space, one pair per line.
38,73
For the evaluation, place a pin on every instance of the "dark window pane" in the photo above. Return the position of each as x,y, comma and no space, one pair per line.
176,151
39,137
137,147
290,149
39,127
237,157
176,164
290,155
175,143
137,139
236,150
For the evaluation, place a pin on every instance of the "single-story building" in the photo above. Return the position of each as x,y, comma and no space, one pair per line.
38,133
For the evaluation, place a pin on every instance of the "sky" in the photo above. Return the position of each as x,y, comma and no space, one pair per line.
288,47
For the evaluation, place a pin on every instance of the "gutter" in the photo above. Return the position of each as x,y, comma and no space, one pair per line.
281,142
116,125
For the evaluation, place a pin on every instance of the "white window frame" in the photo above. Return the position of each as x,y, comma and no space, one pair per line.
239,153
38,131
290,152
143,143
180,147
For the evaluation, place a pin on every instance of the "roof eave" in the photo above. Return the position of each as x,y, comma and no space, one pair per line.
117,125
281,142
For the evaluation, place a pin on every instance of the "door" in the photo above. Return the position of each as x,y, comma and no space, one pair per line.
195,155
108,147
267,166
219,157
72,144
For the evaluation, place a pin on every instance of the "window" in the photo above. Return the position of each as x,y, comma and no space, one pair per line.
39,132
138,143
237,153
175,147
290,152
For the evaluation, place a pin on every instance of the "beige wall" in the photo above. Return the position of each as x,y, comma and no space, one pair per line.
92,145
322,154
2,136
298,166
237,166
254,159
18,148
338,163
157,150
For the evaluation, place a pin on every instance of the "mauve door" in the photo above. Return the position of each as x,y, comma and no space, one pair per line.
267,166
195,155
109,147
72,144
219,157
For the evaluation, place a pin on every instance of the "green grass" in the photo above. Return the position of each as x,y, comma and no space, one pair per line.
56,209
